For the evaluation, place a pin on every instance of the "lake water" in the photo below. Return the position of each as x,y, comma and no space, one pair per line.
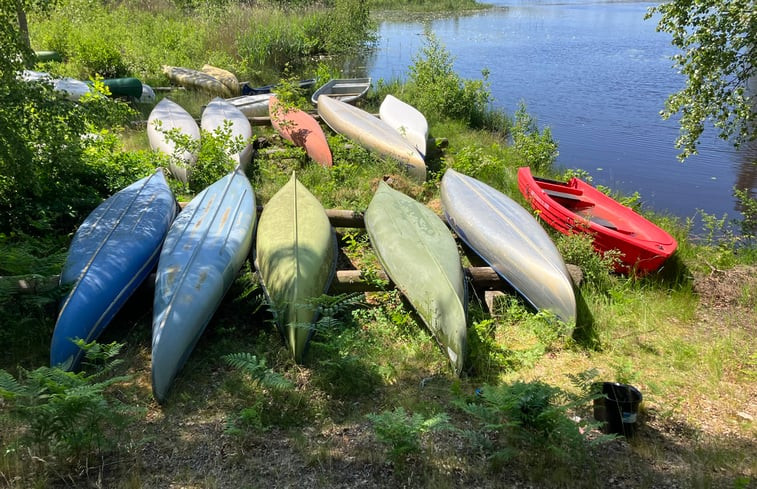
597,74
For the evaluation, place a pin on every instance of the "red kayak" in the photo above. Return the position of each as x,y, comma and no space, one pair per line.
301,129
575,206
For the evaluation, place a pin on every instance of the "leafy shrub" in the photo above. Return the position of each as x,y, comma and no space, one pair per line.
597,268
438,91
536,149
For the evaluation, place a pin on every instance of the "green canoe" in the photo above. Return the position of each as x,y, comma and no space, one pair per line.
295,254
420,255
124,87
47,56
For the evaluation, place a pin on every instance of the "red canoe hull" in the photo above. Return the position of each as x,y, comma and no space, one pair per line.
301,129
575,206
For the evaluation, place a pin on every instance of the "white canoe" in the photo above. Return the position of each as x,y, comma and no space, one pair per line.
371,133
344,89
71,88
167,115
407,120
511,241
196,80
214,118
204,249
252,105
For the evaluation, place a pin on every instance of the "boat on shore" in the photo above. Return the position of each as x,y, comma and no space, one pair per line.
224,76
419,254
166,116
111,254
372,133
215,117
577,207
202,254
295,254
246,89
196,80
301,129
347,90
511,241
407,120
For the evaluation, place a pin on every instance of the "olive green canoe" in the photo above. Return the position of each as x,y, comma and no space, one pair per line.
295,254
419,254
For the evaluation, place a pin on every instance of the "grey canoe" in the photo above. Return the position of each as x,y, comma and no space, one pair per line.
345,89
511,241
295,254
252,105
214,119
419,254
202,254
372,133
165,116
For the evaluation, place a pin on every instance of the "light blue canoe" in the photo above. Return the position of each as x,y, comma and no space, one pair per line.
203,252
420,255
511,241
112,252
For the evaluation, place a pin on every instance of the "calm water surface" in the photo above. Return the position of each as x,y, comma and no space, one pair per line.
597,74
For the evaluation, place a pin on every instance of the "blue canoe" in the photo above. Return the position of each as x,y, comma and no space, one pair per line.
203,252
112,252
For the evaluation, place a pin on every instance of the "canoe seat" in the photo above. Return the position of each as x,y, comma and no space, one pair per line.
561,195
602,222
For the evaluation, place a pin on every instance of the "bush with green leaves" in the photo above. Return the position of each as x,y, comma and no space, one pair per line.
535,148
439,92
70,415
402,432
597,268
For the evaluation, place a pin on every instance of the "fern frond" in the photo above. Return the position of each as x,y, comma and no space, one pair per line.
256,368
9,386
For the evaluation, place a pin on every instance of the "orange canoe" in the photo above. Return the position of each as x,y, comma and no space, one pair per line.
302,129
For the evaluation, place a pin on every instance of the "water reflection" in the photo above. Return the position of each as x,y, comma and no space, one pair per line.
598,75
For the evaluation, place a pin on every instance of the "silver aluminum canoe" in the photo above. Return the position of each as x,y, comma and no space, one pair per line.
252,105
372,133
420,255
511,241
214,119
203,252
167,115
407,120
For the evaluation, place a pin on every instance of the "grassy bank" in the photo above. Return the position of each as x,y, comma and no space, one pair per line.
374,404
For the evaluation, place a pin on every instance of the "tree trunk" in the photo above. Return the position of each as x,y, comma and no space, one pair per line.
23,27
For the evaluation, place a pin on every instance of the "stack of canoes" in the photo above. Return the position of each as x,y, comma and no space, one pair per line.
197,80
372,133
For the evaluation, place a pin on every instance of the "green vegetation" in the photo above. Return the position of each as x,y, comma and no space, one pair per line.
374,396
719,59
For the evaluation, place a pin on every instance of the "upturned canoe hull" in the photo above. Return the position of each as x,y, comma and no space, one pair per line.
419,254
224,76
203,252
577,207
252,105
407,120
372,133
112,252
214,118
295,254
165,116
511,241
301,129
196,80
